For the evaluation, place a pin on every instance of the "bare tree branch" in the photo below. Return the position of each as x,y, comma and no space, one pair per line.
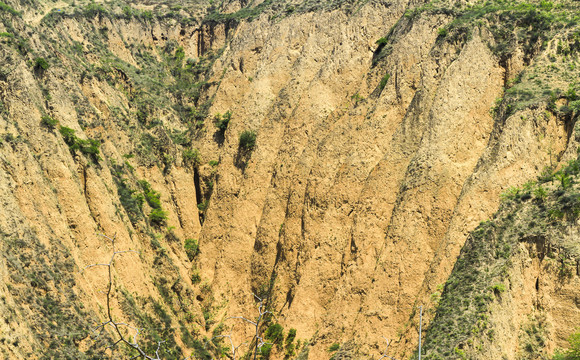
386,349
110,321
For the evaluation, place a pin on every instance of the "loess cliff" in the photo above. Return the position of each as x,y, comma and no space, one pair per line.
332,158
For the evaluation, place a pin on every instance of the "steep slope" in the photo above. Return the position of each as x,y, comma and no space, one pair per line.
375,155
514,290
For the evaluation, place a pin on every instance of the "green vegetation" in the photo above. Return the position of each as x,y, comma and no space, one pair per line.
247,140
192,156
202,206
526,25
191,247
132,200
41,64
357,98
334,347
573,352
222,121
275,333
49,122
9,9
93,9
157,215
537,210
87,147
382,41
42,276
498,288
289,344
384,81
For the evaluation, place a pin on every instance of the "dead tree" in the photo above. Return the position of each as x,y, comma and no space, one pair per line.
118,327
261,313
386,350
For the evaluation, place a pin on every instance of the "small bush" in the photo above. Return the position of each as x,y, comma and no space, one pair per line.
247,140
158,216
357,98
203,205
275,333
192,156
265,351
573,353
384,81
68,135
565,180
195,277
498,288
191,247
540,193
153,199
291,336
40,64
87,147
334,347
49,122
222,121
442,32
382,41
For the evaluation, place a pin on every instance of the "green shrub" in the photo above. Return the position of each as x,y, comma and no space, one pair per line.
442,32
222,121
93,9
158,216
213,163
153,199
49,122
291,336
151,196
7,35
87,147
498,288
275,333
68,135
265,351
40,64
575,105
357,98
565,180
573,353
510,194
130,199
382,41
334,347
192,156
195,277
247,140
540,193
191,247
384,81
9,9
202,206
147,15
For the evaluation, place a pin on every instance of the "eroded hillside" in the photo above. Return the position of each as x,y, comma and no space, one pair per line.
376,136
514,290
